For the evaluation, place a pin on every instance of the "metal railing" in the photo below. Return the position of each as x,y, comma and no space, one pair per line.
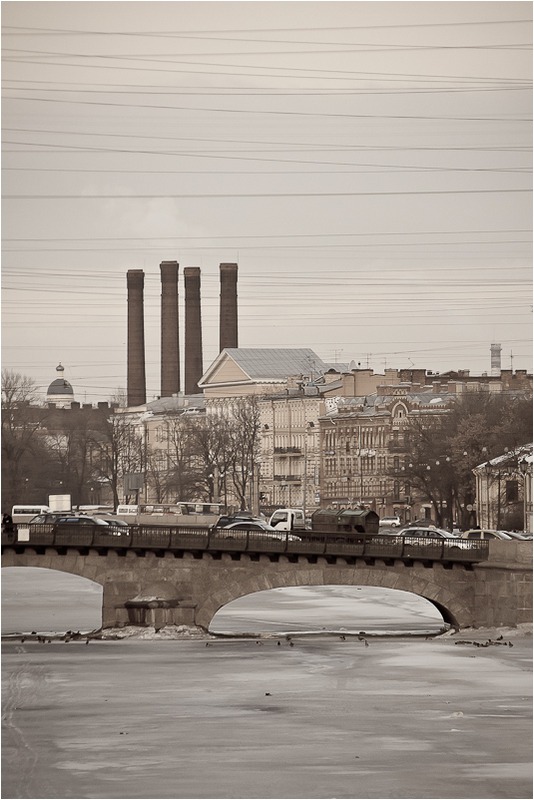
185,538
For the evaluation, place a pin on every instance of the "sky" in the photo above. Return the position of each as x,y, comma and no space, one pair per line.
366,165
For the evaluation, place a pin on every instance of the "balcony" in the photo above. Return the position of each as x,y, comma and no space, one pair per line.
285,451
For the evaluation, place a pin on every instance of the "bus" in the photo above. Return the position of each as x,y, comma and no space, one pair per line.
26,512
157,509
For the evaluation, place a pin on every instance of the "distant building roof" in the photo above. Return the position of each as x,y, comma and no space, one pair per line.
257,365
178,402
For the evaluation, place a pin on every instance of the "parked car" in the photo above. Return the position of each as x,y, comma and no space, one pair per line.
422,536
390,522
428,533
485,533
257,526
114,522
521,536
239,516
47,518
116,527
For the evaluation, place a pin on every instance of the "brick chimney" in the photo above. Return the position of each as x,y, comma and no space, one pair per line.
228,306
170,353
136,377
193,330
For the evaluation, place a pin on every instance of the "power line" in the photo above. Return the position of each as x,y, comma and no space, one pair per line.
255,112
32,30
187,196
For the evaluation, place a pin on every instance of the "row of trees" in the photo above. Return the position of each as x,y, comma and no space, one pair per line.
445,448
87,452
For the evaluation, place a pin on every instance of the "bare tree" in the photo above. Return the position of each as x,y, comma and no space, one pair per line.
211,445
182,473
118,450
244,432
21,433
70,439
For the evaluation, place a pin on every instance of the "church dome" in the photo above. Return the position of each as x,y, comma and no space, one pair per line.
60,389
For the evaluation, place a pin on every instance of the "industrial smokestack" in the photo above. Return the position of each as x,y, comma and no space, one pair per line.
170,353
495,350
193,330
136,377
228,307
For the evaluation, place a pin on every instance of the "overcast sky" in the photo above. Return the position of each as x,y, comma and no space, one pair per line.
367,165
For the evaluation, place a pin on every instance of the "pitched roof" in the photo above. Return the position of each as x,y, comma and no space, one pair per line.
267,365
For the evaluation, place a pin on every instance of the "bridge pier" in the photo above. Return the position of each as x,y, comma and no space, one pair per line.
155,605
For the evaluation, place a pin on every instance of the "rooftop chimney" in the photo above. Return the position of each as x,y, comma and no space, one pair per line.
193,330
170,354
228,307
136,377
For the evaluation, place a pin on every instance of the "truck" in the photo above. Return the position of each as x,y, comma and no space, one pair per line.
346,522
288,519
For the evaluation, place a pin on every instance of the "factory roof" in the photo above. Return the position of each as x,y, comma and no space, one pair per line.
238,365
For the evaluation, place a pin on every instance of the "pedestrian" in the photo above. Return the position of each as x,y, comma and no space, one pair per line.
7,523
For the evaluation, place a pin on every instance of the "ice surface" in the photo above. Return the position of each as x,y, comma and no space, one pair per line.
181,714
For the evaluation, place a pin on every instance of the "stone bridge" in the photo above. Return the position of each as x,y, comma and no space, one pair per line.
155,588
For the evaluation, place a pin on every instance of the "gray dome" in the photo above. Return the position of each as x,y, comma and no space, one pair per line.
60,386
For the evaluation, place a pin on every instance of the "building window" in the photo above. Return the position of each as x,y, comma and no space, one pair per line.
512,492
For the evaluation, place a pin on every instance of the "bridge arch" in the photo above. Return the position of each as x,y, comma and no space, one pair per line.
49,599
58,565
451,605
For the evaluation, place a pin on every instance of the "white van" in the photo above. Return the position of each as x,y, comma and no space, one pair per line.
26,512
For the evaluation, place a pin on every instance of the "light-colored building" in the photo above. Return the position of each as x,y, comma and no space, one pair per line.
504,491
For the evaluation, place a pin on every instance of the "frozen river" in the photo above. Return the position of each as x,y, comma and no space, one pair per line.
320,715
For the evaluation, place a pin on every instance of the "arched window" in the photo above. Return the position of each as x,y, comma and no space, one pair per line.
399,411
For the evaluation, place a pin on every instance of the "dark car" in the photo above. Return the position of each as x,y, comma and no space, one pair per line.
115,527
49,517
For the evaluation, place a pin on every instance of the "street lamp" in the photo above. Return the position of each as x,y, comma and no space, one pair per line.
308,430
488,469
523,468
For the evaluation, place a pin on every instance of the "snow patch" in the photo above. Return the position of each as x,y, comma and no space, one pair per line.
168,632
521,631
